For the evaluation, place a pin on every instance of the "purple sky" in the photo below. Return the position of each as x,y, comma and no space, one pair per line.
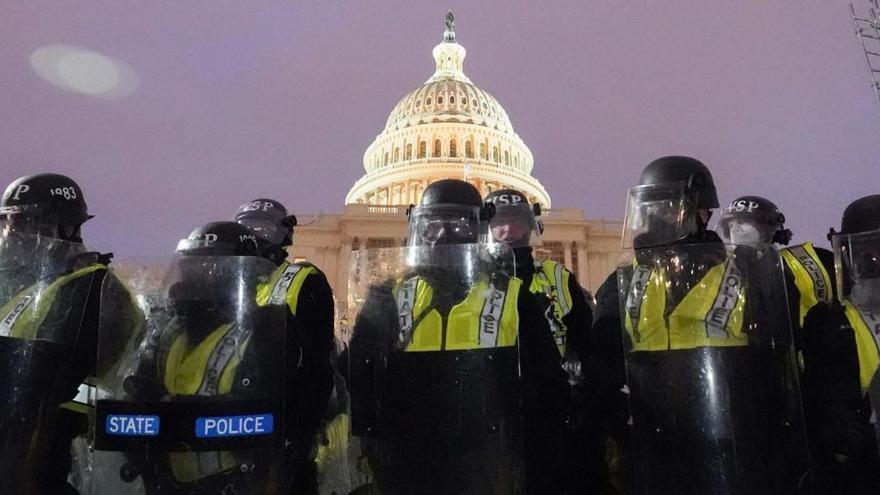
244,99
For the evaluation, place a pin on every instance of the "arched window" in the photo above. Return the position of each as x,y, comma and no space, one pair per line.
385,161
483,151
407,155
506,157
436,147
452,99
469,149
428,101
495,154
396,155
440,100
453,149
423,149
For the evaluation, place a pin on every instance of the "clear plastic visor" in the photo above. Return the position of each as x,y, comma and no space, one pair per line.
857,264
656,215
443,224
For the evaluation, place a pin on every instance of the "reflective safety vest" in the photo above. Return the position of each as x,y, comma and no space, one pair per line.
551,279
487,317
207,369
20,319
284,285
810,276
866,330
709,315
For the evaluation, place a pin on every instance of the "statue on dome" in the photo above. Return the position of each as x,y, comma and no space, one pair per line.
449,34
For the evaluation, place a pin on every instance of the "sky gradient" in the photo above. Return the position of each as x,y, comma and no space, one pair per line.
237,100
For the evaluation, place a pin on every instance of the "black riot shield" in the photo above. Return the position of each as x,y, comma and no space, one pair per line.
433,371
46,286
196,403
711,372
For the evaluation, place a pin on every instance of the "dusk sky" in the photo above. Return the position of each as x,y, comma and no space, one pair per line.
228,100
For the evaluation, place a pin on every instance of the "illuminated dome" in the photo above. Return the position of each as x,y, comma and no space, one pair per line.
446,128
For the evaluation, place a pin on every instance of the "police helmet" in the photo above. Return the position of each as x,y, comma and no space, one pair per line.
54,200
220,239
268,219
451,211
862,215
758,215
686,170
515,222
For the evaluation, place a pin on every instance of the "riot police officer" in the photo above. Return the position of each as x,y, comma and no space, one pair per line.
757,222
841,359
204,378
303,287
50,287
515,227
706,360
437,399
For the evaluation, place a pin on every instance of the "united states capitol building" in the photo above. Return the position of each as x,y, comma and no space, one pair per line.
447,127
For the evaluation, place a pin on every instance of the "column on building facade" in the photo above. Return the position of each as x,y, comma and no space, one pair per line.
566,250
341,291
583,268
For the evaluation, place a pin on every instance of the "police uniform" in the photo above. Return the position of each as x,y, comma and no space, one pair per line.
70,306
841,358
304,289
459,349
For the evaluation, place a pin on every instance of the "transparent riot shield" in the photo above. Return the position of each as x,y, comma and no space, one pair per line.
711,372
857,263
433,372
46,286
195,402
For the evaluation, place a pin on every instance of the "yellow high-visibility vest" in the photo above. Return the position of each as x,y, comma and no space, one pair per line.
487,317
21,317
206,369
810,276
284,285
866,331
551,279
710,314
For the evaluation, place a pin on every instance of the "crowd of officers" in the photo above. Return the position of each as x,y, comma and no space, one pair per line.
712,361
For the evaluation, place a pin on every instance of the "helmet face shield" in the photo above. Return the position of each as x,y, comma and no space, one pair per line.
513,226
656,215
444,224
744,231
857,263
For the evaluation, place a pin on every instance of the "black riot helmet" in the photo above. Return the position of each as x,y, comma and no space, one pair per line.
270,222
46,204
514,223
753,221
451,211
220,239
667,205
690,172
857,248
862,215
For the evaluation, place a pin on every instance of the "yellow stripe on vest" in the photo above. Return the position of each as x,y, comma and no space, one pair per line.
487,317
284,285
866,330
22,321
710,315
552,279
810,277
207,368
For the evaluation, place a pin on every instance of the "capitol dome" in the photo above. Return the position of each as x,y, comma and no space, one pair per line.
446,128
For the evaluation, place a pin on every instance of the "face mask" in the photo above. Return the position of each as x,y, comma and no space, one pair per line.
745,234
